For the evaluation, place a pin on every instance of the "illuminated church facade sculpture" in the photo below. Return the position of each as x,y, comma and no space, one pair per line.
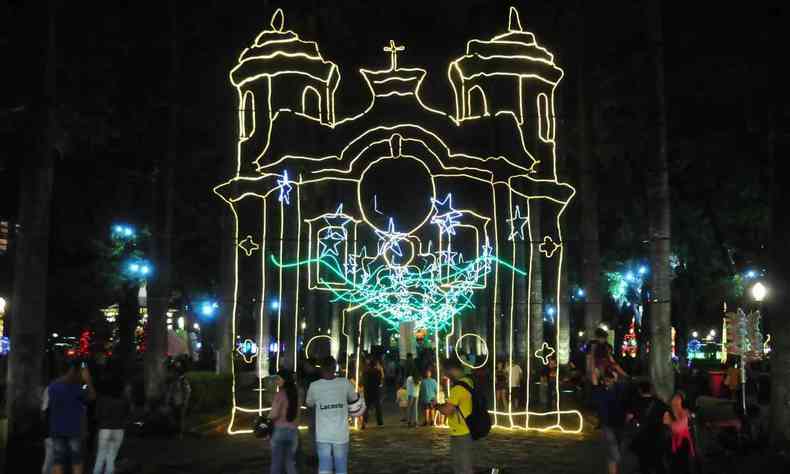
399,216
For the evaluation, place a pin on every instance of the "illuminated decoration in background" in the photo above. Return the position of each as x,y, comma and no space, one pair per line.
85,343
248,246
3,304
695,349
248,350
5,345
625,286
430,214
630,347
744,335
544,353
626,289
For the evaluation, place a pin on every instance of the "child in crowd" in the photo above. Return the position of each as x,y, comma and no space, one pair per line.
360,420
412,391
428,397
402,398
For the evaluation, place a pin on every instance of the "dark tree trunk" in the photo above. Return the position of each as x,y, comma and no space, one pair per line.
128,319
159,297
661,373
778,300
28,307
588,195
564,319
225,316
536,336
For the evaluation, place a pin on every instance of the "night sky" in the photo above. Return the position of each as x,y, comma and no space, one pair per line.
728,116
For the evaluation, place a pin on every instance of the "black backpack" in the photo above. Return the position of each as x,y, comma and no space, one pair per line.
479,421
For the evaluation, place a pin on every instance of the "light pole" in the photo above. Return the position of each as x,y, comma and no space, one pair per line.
758,293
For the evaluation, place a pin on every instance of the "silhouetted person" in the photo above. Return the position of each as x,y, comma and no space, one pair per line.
67,403
373,381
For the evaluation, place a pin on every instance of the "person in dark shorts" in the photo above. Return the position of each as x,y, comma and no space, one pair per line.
67,400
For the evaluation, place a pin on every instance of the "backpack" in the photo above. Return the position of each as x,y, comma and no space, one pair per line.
478,421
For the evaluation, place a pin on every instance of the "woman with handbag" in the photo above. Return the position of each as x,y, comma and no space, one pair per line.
284,415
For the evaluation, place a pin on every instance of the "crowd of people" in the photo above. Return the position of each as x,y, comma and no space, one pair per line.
640,432
86,411
84,421
332,404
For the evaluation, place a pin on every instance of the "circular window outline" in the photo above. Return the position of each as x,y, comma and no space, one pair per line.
485,346
317,336
431,211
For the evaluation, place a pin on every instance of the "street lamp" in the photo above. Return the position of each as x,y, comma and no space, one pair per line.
139,268
208,308
759,291
123,231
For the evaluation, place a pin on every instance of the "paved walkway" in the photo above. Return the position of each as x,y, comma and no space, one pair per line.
394,448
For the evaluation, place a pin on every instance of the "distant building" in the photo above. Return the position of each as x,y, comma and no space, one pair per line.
4,236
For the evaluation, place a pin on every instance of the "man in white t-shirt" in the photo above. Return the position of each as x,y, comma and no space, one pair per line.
515,384
330,396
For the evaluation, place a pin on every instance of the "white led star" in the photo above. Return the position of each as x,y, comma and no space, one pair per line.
336,235
446,215
338,218
389,239
517,221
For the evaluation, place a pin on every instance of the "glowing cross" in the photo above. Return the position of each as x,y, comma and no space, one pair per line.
393,50
548,247
544,353
514,221
248,245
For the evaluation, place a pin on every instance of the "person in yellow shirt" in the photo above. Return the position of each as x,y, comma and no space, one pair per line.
457,407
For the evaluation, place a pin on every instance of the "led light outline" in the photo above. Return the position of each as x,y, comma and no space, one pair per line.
244,356
458,345
513,13
318,336
543,348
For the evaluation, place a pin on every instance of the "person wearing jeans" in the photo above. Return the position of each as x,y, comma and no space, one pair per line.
112,413
331,396
109,444
332,456
285,415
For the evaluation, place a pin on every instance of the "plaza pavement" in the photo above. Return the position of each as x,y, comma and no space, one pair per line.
394,448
